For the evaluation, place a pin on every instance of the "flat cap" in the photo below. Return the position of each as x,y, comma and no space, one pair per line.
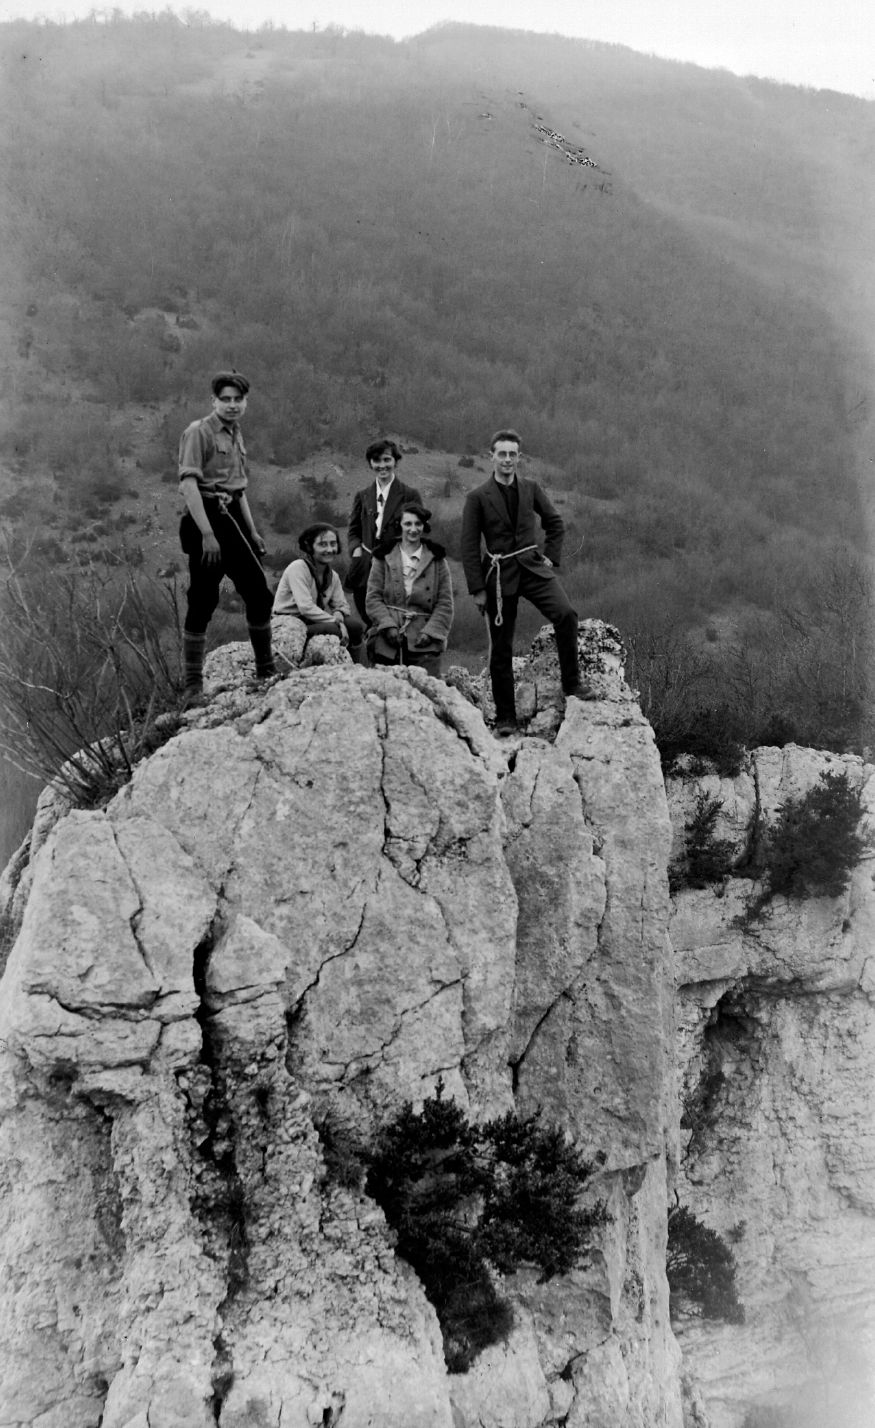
230,379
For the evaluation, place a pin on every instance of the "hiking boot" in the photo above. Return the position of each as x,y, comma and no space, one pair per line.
193,697
581,690
506,728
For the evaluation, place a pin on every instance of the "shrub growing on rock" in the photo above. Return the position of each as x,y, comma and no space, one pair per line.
701,1270
466,1201
706,858
814,845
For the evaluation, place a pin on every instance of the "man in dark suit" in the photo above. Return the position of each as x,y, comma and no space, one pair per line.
376,515
502,561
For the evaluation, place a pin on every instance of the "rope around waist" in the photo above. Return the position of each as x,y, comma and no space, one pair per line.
407,613
408,616
224,498
229,501
495,565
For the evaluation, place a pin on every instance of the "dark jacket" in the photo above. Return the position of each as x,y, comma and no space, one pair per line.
431,599
487,526
362,528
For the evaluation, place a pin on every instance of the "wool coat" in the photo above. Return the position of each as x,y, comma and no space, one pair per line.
430,600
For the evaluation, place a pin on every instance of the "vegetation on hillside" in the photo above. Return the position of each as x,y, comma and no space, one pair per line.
383,238
89,678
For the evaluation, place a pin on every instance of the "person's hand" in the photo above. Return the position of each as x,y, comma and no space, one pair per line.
356,553
258,543
392,636
479,599
211,551
547,561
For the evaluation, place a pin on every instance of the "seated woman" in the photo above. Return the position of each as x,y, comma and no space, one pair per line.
410,596
310,589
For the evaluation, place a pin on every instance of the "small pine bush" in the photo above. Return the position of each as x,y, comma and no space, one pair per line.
815,844
706,858
813,847
466,1201
701,1270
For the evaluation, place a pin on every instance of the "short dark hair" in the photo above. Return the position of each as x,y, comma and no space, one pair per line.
377,448
416,508
507,433
307,538
230,379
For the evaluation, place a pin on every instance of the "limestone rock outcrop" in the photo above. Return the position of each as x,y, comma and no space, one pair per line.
321,898
777,1070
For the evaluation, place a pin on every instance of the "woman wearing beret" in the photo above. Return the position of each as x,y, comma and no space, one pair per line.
410,596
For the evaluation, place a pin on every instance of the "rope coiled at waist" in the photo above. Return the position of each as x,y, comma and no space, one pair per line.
408,616
496,566
226,500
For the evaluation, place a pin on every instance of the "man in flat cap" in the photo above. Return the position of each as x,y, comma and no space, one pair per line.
217,531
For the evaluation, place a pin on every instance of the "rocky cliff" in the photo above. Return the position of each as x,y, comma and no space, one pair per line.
317,901
776,1059
320,899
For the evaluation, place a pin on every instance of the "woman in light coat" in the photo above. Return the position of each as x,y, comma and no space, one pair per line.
310,589
410,596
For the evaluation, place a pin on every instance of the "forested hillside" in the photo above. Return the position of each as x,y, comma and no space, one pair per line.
633,261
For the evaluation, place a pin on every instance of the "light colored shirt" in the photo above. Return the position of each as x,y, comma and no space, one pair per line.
409,567
214,454
297,594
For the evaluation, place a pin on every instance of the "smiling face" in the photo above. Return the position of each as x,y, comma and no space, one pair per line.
505,459
411,530
383,466
325,547
229,404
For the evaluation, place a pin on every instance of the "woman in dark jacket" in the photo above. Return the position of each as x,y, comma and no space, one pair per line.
410,596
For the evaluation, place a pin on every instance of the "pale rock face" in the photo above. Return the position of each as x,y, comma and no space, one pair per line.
538,687
321,897
777,1058
230,666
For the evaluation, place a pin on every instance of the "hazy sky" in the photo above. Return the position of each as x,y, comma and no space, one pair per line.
829,44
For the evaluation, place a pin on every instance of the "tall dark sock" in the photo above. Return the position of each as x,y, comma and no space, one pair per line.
264,662
193,647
